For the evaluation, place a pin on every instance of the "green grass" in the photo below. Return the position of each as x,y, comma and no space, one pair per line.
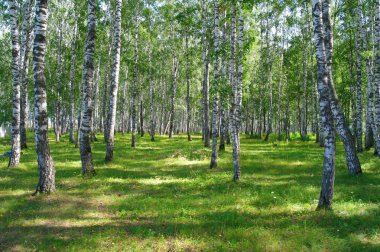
161,196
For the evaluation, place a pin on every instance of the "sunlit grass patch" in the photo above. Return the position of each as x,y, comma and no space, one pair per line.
162,196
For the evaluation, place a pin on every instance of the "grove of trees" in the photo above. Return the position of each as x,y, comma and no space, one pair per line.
268,69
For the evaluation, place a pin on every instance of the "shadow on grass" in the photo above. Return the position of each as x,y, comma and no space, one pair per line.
162,196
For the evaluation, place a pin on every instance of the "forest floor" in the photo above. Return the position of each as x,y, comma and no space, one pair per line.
162,196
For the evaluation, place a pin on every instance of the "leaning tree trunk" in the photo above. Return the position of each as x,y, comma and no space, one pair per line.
327,191
111,116
46,182
352,159
214,129
88,77
26,38
377,76
16,148
72,86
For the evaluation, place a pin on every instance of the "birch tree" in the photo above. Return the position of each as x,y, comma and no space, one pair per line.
223,123
236,84
205,92
88,78
111,117
328,177
58,111
352,159
46,182
26,37
303,126
151,95
72,86
16,144
359,104
269,77
188,99
173,94
214,154
134,83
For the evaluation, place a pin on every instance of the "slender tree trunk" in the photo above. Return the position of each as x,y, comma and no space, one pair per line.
206,127
134,84
72,85
16,148
287,117
304,91
214,128
141,110
105,87
227,119
353,97
188,106
223,126
318,136
151,96
124,104
111,116
370,125
261,84
80,111
239,91
234,100
359,106
270,84
46,182
163,98
95,104
173,95
279,137
88,76
26,38
327,191
58,109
